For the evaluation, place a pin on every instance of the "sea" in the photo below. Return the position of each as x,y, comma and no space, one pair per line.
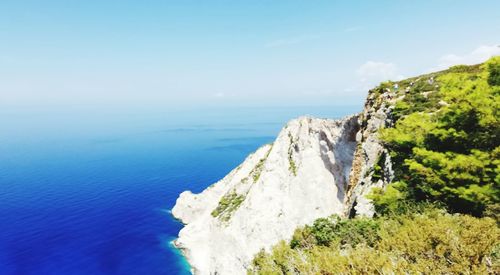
89,189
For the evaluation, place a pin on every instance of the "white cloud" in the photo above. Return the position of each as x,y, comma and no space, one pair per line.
219,94
372,73
480,54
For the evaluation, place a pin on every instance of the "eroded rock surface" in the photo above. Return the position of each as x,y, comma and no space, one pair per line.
302,176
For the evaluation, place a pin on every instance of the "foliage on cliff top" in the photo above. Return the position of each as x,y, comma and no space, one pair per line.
447,148
445,152
431,242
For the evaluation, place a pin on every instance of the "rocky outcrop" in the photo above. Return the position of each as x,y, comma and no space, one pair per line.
370,153
302,176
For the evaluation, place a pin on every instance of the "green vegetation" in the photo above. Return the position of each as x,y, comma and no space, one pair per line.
227,205
494,72
292,166
257,170
441,213
449,153
232,200
378,168
432,242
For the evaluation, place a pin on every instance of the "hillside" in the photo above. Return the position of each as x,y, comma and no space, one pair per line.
410,184
433,189
301,177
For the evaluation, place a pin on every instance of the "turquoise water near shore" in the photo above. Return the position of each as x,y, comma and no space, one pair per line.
87,190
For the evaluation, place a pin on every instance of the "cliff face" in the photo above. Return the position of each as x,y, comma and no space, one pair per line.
315,168
302,176
319,167
370,154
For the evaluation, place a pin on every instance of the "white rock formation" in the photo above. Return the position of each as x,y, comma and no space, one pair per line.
301,177
370,152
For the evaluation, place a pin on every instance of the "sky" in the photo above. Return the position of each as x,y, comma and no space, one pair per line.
238,53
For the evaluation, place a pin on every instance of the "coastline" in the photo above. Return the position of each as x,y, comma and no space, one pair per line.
183,253
184,262
326,144
180,251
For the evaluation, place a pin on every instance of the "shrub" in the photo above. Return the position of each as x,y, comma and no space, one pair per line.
389,200
494,71
450,155
445,156
432,242
227,205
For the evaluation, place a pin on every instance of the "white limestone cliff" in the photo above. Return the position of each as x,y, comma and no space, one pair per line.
369,153
302,176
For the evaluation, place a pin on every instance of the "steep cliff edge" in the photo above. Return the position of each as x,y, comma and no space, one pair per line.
427,139
370,153
302,176
427,164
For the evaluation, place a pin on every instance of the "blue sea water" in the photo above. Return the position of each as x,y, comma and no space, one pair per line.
87,190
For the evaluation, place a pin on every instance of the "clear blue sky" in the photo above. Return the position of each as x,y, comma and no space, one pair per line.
230,52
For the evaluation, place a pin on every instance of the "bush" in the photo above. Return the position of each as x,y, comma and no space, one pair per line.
432,242
444,156
227,205
494,71
450,155
390,200
350,232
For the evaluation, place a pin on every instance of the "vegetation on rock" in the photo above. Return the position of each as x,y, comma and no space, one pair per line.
449,153
232,200
440,215
257,170
227,205
292,166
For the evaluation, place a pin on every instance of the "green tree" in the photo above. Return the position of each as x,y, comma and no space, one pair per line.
494,71
450,155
